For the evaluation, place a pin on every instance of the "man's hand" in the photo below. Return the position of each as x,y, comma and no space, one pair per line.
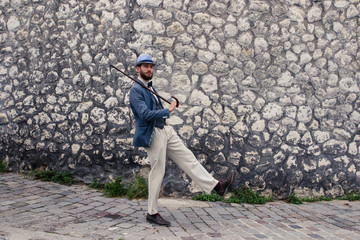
172,106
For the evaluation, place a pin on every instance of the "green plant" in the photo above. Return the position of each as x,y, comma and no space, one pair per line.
2,167
65,178
316,199
239,195
246,195
116,188
292,198
352,196
208,197
61,177
139,189
44,175
96,184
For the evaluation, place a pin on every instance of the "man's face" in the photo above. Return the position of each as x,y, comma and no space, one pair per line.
145,70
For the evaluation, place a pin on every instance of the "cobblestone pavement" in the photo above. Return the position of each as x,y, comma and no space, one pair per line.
35,210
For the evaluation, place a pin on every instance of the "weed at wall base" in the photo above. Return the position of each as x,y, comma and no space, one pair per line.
115,189
96,184
61,177
292,198
246,195
316,199
208,197
139,189
2,167
239,195
353,196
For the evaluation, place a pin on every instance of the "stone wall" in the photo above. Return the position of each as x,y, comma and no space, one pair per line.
268,88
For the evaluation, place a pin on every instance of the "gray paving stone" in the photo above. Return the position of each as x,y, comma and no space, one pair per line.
80,213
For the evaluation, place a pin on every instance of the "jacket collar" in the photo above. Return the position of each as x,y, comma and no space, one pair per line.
145,83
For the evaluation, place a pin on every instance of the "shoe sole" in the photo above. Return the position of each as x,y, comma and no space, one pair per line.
151,221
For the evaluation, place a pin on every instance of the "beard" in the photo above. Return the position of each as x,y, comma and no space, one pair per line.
145,77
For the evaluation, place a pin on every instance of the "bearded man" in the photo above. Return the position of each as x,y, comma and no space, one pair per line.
161,141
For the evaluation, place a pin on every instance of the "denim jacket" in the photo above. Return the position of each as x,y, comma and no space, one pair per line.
143,106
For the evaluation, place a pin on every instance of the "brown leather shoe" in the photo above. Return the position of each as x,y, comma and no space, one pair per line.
224,184
156,218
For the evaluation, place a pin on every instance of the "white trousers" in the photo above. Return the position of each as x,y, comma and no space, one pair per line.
166,143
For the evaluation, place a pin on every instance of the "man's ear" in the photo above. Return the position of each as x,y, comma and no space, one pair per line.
138,68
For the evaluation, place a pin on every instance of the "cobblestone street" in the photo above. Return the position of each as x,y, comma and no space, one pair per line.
38,210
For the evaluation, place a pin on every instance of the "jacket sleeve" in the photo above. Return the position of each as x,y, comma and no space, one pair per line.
137,102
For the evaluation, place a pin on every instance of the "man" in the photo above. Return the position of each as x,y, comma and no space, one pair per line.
161,141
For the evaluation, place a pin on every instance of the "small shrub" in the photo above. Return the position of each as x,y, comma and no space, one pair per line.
61,177
246,195
208,197
326,198
96,184
2,167
316,199
353,196
239,195
292,198
139,189
45,176
64,178
115,189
